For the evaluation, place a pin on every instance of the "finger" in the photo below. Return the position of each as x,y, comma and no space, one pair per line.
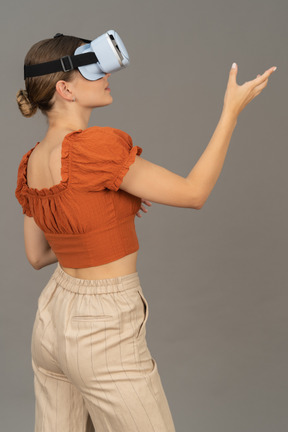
147,202
261,78
260,87
233,73
143,209
265,75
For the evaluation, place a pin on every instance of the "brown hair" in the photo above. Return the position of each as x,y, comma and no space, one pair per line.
40,89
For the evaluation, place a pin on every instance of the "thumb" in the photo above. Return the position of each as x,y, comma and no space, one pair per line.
233,72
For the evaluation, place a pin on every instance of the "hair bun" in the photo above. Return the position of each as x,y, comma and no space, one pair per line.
26,107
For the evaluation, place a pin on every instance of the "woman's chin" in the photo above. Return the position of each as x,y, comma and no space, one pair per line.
104,103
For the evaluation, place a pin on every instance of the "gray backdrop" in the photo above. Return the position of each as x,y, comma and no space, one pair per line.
215,279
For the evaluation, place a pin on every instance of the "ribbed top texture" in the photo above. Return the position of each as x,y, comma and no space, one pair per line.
86,218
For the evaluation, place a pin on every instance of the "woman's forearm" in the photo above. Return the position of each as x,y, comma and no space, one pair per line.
205,173
46,259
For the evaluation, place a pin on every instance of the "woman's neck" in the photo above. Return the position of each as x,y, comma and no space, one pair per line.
69,121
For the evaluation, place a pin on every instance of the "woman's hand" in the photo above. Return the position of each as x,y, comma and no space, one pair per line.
143,208
237,97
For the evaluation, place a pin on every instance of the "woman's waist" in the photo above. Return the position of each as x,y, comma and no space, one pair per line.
94,248
120,267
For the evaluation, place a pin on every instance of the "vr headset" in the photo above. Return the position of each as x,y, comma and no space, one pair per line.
105,54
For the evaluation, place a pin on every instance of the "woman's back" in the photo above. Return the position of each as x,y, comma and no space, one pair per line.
70,190
44,171
44,165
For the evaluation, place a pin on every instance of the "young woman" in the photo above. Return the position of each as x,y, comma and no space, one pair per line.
80,189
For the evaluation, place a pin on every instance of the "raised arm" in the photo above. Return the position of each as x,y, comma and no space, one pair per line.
155,183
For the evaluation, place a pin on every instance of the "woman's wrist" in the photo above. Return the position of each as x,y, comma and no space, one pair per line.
227,113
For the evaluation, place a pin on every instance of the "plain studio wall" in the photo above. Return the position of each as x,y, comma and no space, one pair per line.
215,279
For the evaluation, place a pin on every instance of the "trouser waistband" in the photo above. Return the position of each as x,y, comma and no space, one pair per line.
95,286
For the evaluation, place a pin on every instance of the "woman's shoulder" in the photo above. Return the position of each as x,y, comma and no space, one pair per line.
98,131
97,140
100,156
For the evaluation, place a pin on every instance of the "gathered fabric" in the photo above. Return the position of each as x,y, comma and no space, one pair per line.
86,219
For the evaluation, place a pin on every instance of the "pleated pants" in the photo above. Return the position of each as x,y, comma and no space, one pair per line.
92,368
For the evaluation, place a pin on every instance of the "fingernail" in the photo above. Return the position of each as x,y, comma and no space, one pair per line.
274,68
234,65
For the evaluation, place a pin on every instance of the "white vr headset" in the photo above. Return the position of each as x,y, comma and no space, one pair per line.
105,54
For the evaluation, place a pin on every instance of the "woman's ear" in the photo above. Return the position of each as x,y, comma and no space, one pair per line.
63,89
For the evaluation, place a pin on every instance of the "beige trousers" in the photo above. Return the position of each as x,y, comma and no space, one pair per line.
92,367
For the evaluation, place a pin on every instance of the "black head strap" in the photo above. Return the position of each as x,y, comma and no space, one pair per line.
65,64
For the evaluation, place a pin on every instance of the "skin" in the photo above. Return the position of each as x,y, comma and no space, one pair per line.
73,104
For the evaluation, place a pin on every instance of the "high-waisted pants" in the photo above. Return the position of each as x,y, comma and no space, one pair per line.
92,367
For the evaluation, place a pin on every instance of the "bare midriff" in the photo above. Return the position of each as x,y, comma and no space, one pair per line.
121,267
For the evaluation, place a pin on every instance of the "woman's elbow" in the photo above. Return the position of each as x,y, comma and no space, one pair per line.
196,199
197,205
200,205
200,202
35,264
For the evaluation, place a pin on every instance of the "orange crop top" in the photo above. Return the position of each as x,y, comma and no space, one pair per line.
86,219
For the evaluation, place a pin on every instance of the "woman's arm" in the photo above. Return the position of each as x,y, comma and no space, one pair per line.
208,168
160,185
156,183
206,172
47,258
38,250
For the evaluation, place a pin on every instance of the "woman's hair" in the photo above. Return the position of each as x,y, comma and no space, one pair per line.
40,89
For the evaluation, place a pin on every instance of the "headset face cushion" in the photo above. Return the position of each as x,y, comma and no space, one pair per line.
111,53
91,72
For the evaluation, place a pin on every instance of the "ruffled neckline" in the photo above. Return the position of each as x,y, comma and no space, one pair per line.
55,189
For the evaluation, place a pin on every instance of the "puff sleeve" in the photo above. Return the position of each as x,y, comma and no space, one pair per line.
20,189
101,158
